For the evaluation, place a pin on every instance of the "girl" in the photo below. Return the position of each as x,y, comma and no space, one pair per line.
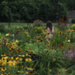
50,30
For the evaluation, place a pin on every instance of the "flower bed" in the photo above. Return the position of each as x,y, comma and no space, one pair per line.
27,52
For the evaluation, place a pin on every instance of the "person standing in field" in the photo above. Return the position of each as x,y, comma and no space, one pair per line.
50,30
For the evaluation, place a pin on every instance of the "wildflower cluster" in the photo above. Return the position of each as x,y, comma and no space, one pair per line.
29,53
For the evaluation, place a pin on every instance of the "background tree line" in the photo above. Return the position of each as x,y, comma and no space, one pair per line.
30,10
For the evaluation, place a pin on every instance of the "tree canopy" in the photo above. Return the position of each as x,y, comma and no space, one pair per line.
30,10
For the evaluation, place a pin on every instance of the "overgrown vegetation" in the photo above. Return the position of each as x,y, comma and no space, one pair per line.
24,51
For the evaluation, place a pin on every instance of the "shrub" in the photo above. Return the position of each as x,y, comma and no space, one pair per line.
2,27
73,21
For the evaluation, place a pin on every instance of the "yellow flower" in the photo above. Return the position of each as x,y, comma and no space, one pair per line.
18,71
42,39
27,72
50,70
9,74
21,71
45,49
26,32
64,69
37,36
10,63
19,55
68,40
7,34
38,40
28,55
30,69
54,59
70,30
5,58
2,74
17,41
0,61
12,44
4,62
3,69
28,59
23,55
17,58
12,58
20,59
37,27
59,70
73,25
3,55
44,31
14,63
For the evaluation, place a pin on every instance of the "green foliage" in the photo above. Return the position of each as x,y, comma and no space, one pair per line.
2,27
73,21
58,39
28,11
45,59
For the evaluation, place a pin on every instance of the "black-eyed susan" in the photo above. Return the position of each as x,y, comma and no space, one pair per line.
20,59
31,69
28,59
23,55
12,58
3,69
38,40
28,55
17,58
30,73
2,73
12,63
3,55
42,39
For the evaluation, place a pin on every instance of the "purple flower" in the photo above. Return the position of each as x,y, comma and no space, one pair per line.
72,56
65,53
38,21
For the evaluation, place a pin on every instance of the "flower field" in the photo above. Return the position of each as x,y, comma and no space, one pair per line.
24,50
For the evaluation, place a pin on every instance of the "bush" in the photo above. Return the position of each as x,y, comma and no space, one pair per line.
73,21
2,27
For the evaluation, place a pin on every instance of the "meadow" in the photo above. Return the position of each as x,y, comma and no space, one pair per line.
24,49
